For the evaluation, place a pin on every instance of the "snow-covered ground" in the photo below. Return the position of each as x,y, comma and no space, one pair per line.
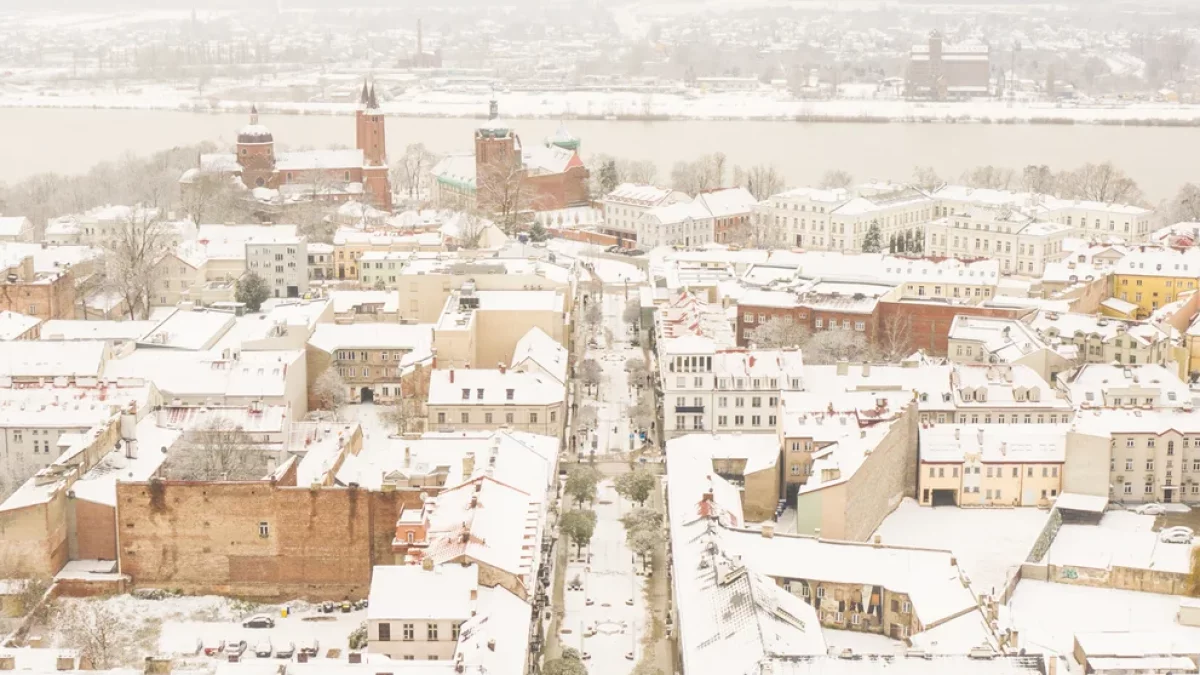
610,628
761,105
610,271
174,625
612,402
1048,615
861,643
988,542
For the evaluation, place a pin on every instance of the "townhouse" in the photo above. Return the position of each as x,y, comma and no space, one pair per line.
838,219
1152,277
484,400
967,465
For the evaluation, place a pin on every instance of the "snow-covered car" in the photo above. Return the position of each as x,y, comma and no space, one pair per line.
235,647
310,647
264,649
286,651
212,647
259,621
1152,509
1176,537
1180,528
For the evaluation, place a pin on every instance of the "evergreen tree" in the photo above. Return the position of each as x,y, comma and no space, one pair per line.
919,240
873,240
538,232
252,290
900,243
892,243
608,176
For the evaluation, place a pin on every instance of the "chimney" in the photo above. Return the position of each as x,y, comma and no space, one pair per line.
503,368
768,530
427,564
64,663
878,541
355,657
1052,667
8,662
492,645
981,435
953,561
843,367
451,376
957,433
866,369
474,594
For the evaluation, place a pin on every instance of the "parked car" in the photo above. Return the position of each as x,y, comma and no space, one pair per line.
259,621
286,651
310,647
1180,528
235,647
1176,537
346,607
264,649
1152,509
212,647
613,249
326,607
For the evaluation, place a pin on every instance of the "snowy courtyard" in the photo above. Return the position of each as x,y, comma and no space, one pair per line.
989,543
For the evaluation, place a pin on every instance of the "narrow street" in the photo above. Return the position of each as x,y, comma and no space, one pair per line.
606,606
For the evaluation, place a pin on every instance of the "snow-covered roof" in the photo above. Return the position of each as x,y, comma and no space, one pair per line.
475,386
416,339
99,485
546,159
633,194
758,363
1024,444
347,301
727,202
1121,539
14,226
1160,262
1064,326
188,329
24,358
228,242
1102,384
761,451
1029,200
95,329
456,169
1008,340
196,373
410,592
14,325
69,406
308,160
1134,421
1001,386
47,260
544,352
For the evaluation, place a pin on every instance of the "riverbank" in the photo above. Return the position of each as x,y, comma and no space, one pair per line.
635,107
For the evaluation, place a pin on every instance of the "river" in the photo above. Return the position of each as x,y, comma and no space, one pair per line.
1160,159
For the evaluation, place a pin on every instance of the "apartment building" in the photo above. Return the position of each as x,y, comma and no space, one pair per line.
1153,455
26,289
1103,385
483,400
1153,277
425,282
481,329
707,388
372,359
838,219
1099,339
966,465
978,340
16,326
715,216
1022,244
281,260
182,274
351,244
320,261
623,207
1087,219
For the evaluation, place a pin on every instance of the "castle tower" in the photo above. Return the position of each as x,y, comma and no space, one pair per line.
256,153
497,156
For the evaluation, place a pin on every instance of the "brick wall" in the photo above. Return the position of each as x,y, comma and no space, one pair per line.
205,537
95,530
931,321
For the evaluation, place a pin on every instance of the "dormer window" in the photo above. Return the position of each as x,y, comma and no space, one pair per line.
466,394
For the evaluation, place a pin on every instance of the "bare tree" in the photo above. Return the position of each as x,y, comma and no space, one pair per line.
1038,178
131,258
590,373
705,173
1185,208
471,226
637,171
586,418
778,333
633,312
329,391
760,180
926,178
218,450
991,177
831,346
501,191
641,413
760,231
410,171
893,340
1099,182
101,636
636,367
836,178
215,197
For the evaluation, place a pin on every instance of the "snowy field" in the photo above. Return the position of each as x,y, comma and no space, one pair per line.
610,627
987,542
1048,615
761,105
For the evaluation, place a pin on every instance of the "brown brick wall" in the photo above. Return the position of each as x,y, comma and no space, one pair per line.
931,321
95,530
204,537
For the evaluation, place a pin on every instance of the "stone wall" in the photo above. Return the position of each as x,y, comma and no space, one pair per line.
887,476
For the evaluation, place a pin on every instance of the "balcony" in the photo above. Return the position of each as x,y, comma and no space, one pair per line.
689,409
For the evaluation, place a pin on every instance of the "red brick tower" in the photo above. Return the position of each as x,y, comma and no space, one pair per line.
497,159
256,153
370,138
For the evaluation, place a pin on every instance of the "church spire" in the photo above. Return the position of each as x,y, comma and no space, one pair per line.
372,102
253,114
362,98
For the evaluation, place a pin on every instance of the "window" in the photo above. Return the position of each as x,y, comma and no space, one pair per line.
441,418
455,629
408,632
820,592
756,402
487,418
264,528
1149,464
466,394
533,418
756,420
553,416
465,418
838,617
906,608
722,421
385,631
431,631
508,394
855,619
508,418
